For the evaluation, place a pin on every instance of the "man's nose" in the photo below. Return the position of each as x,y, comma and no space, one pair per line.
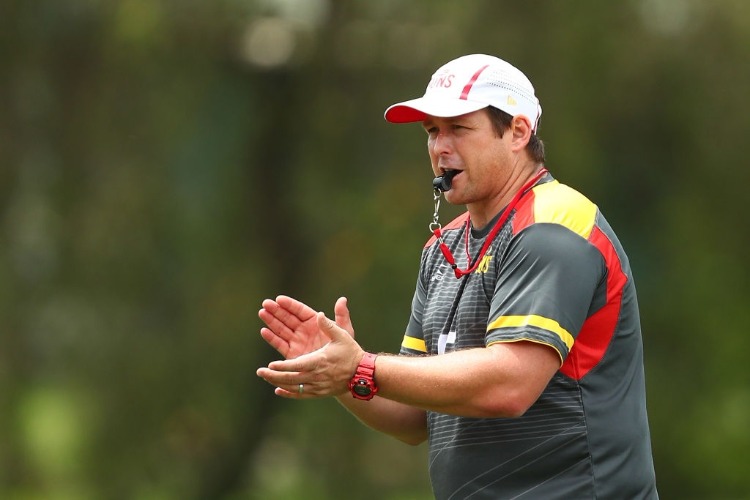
442,144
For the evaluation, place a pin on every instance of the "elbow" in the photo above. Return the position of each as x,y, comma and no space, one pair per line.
515,411
412,440
503,411
417,436
506,406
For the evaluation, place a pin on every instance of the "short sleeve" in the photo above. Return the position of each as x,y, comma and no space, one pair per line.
413,342
546,285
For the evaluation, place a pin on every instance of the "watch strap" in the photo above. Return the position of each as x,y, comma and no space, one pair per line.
362,385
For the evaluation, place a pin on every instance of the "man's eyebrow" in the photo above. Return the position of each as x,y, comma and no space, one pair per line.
457,119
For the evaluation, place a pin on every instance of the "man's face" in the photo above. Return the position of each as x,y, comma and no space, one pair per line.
469,144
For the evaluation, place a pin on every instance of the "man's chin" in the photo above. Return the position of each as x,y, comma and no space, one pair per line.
454,197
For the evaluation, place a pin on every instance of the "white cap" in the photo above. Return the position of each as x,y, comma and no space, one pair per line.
468,84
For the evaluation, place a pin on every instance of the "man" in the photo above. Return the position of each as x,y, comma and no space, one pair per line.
522,359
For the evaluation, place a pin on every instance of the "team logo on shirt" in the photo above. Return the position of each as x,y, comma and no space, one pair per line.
484,265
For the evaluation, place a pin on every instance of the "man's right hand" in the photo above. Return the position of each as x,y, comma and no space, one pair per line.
292,327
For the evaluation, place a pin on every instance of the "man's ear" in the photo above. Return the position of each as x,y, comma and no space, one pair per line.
520,128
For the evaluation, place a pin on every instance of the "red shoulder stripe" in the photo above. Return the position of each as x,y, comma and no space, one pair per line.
597,331
455,223
524,213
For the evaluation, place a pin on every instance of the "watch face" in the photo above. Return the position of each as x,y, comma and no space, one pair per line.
362,388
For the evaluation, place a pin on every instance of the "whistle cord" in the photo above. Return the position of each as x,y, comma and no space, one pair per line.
437,230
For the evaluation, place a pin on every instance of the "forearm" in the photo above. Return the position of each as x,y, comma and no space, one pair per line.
499,381
403,422
502,380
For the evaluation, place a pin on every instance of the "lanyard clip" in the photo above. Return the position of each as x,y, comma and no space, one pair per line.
435,224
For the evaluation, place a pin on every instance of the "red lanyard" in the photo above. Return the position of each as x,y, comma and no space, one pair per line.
436,229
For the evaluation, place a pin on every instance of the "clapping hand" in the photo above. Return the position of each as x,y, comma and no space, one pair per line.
320,355
292,327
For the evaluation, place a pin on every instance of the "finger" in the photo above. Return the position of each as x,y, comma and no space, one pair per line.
275,325
278,319
303,363
275,341
290,392
279,378
287,394
295,308
342,316
288,384
293,393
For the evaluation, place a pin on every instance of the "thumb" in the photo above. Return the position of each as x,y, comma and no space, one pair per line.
343,318
331,329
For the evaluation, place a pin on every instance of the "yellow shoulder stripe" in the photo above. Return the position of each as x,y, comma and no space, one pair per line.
414,344
534,320
560,204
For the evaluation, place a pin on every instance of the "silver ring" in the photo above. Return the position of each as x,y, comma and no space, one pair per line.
301,388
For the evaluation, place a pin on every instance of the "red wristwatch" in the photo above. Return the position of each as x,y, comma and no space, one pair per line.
362,384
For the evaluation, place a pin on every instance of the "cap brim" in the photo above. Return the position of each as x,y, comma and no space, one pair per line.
416,110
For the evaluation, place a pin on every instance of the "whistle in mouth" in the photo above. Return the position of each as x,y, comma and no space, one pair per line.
443,182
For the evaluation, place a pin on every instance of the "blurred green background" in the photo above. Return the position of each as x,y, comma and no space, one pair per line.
167,164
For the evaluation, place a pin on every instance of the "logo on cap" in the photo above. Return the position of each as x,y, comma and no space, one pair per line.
443,80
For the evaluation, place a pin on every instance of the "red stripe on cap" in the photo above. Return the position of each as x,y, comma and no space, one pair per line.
467,88
597,331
